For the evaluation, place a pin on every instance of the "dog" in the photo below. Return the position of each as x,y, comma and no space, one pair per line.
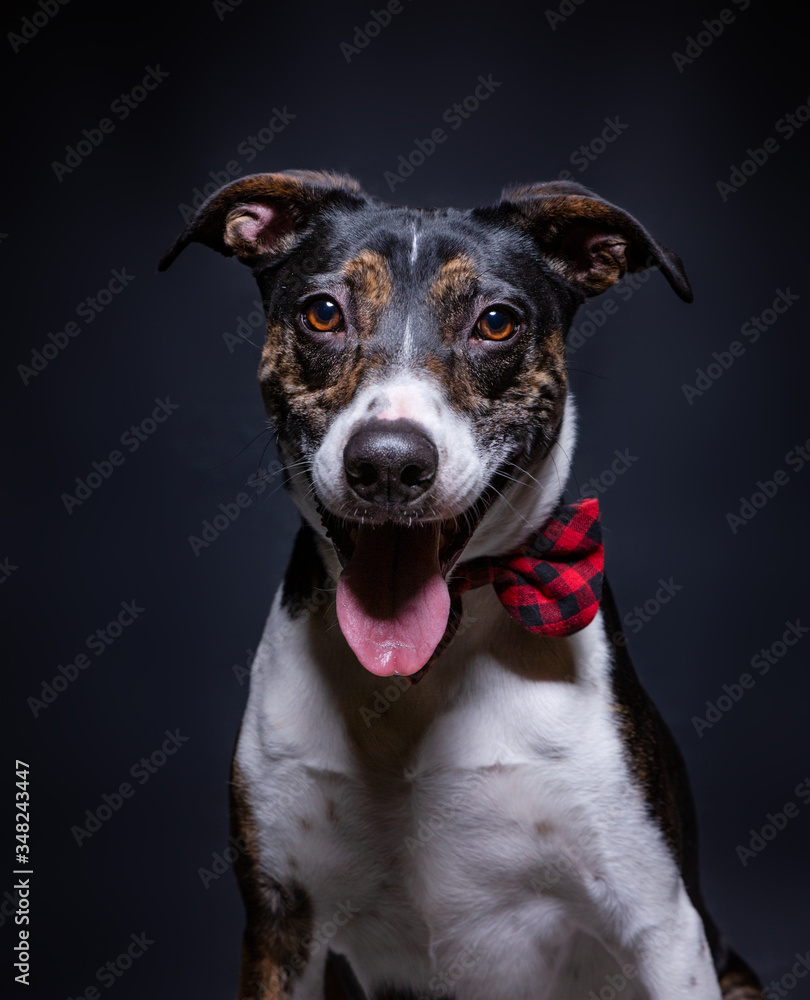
448,781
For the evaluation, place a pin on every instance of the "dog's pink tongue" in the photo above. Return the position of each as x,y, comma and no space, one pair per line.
392,601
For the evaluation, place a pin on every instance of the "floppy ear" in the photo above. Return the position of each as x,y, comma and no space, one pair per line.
589,241
262,215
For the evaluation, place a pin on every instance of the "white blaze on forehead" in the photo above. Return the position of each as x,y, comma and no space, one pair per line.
407,337
461,473
414,244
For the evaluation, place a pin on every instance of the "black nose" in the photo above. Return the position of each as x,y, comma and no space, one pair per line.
390,461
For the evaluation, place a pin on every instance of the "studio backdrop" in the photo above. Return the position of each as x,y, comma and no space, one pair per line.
135,585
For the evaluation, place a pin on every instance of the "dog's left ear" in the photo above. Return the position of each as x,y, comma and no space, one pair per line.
589,241
259,217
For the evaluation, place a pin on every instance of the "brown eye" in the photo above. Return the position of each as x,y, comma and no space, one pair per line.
323,316
496,324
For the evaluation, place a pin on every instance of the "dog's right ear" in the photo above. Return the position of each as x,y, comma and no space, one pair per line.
590,242
263,215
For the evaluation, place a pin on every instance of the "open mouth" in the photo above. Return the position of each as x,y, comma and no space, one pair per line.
393,602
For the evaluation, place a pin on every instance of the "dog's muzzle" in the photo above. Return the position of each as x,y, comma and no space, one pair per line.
395,542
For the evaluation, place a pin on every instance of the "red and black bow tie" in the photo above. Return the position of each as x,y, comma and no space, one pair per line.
551,585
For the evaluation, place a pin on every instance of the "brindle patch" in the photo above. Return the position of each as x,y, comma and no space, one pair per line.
733,989
521,399
541,388
738,981
452,291
278,917
305,385
369,280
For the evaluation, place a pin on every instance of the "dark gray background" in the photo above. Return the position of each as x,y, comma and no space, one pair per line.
163,335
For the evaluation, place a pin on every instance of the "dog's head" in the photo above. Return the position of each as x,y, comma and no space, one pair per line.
414,367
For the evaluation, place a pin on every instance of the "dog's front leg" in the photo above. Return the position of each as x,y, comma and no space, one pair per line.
276,961
672,956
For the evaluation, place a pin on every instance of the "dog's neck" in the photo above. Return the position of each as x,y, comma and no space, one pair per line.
515,514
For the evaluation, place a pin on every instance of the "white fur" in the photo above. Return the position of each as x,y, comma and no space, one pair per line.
490,839
407,339
441,857
414,246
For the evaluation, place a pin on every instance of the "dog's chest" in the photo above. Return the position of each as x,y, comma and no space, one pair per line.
430,825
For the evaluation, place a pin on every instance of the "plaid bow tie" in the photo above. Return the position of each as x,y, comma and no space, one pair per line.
551,585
